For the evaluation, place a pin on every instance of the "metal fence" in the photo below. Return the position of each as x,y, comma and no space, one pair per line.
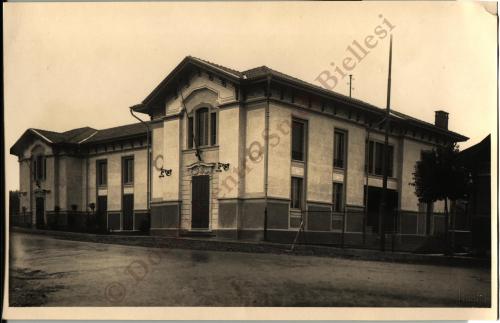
21,220
404,231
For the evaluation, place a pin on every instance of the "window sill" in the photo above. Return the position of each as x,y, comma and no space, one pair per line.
381,176
202,148
128,184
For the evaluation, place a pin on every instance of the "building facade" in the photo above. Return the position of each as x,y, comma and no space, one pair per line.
259,155
253,155
474,212
84,179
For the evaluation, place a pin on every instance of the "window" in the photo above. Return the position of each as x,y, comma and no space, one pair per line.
39,168
298,140
128,170
339,150
375,159
338,197
213,128
102,172
296,193
190,132
201,127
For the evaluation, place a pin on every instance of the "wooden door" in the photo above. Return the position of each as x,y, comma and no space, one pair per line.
200,202
128,211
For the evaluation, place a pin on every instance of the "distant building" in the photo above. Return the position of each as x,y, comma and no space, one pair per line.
240,155
14,204
62,174
475,214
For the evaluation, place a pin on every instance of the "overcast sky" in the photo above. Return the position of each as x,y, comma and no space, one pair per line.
74,65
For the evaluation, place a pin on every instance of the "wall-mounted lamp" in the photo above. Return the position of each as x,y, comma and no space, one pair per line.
165,172
224,166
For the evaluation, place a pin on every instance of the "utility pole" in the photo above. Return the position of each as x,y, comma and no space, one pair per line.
350,85
385,157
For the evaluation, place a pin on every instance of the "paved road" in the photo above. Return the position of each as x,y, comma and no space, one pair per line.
50,272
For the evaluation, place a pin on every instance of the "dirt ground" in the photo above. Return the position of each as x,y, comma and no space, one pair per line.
50,272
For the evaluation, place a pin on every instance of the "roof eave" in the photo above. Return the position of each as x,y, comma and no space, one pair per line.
187,60
141,107
115,139
360,104
323,92
17,151
456,137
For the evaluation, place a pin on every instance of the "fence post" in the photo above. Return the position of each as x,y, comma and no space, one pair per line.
343,229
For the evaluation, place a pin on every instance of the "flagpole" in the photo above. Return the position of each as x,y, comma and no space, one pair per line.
385,157
197,149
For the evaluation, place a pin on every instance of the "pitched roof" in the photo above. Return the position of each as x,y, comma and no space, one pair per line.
51,136
264,71
130,130
82,135
68,137
217,66
477,153
78,135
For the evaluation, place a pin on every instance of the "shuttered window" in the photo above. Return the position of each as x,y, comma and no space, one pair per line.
339,152
102,172
213,128
202,127
128,170
375,159
39,168
298,140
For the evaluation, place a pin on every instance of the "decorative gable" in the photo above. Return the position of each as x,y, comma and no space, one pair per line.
201,87
203,96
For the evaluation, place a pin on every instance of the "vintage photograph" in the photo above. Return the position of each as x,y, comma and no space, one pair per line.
298,156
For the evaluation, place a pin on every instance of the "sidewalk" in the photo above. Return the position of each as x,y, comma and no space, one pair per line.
213,244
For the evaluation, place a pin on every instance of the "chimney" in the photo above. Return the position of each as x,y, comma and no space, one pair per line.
441,119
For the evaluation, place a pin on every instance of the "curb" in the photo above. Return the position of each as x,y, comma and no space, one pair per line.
261,247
